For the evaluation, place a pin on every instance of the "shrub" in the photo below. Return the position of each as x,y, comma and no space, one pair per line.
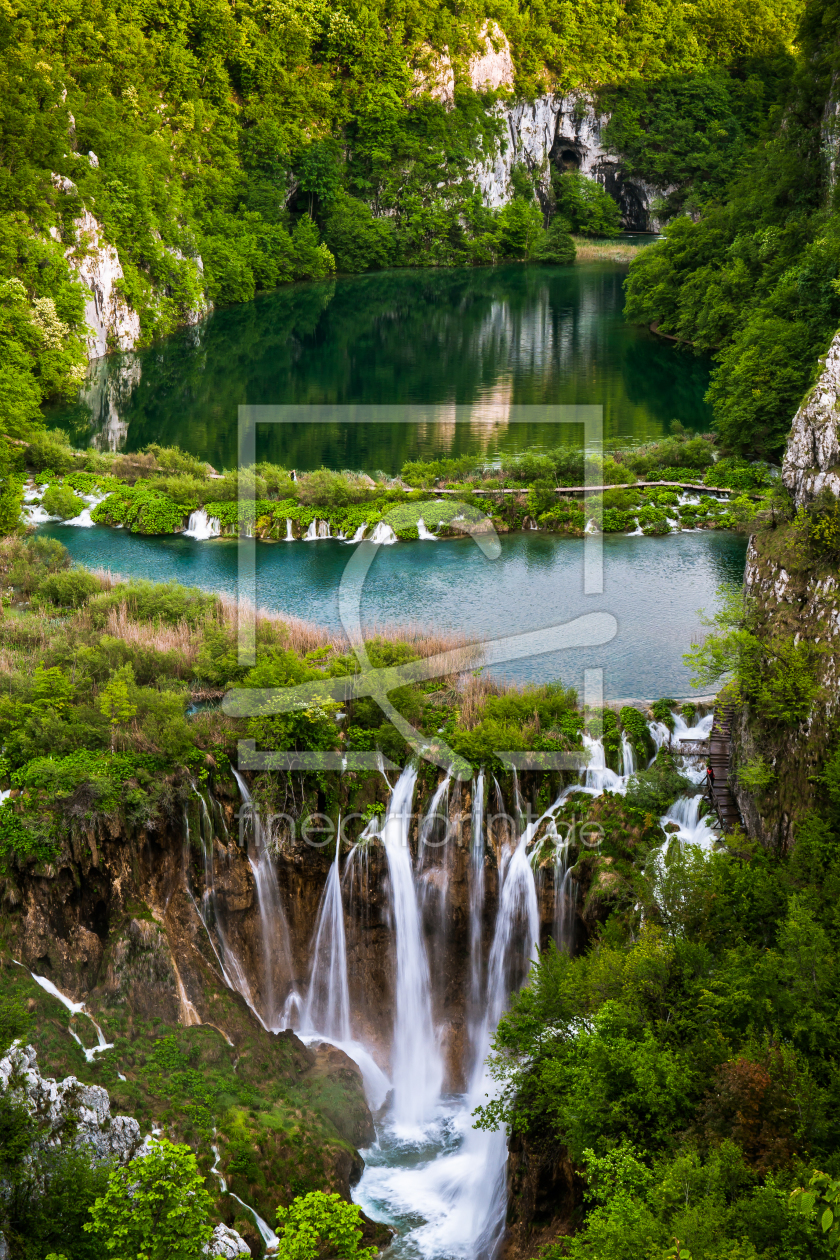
556,245
585,204
61,501
70,589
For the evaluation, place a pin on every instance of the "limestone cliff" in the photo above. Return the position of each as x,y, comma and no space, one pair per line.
112,323
796,597
567,132
812,458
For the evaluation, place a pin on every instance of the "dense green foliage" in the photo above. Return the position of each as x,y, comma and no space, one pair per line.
155,1208
275,145
156,491
753,275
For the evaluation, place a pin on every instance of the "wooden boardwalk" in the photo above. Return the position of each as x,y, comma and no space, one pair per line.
723,800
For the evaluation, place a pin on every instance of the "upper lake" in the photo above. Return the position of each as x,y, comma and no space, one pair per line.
433,338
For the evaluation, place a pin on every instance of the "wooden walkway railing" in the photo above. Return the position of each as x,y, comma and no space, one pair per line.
723,799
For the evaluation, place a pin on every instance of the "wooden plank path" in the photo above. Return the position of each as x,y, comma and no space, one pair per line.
719,742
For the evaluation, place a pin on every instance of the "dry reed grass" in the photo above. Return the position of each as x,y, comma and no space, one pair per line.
182,639
605,251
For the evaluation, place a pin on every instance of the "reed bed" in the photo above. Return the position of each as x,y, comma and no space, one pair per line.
606,251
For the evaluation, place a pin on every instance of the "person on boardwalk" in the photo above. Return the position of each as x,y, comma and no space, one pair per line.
710,781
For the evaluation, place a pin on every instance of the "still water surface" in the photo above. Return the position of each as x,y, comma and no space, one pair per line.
654,587
484,337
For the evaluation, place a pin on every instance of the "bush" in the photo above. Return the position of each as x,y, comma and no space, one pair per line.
61,501
69,590
556,245
585,204
357,240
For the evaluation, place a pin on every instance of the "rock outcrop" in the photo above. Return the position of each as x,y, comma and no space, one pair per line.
565,132
227,1243
112,323
812,457
68,1111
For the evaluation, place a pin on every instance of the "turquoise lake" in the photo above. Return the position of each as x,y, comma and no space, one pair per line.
433,339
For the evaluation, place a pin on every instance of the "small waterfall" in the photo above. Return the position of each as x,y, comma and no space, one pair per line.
693,829
423,532
383,533
75,1008
208,911
323,529
628,757
202,526
433,815
273,927
311,534
359,534
599,777
417,1069
289,534
327,1007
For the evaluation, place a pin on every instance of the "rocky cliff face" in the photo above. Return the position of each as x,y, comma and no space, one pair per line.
812,457
565,132
111,321
798,600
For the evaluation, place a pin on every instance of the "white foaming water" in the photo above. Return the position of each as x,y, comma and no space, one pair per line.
416,1064
75,1008
274,930
84,519
201,526
458,1185
270,1240
476,899
423,532
383,533
359,534
628,756
599,777
289,535
328,1000
692,828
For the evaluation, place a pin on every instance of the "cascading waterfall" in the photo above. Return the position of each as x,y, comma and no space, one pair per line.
417,1068
208,911
274,930
327,1007
476,894
463,1194
201,526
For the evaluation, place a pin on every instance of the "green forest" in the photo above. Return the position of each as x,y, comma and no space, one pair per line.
670,1084
279,143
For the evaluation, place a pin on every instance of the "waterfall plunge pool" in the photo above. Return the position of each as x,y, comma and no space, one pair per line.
654,588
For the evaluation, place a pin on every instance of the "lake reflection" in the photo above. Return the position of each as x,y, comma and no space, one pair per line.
485,337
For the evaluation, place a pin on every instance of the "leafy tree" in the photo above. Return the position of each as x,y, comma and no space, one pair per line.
117,702
586,204
556,246
520,228
155,1208
357,240
316,1221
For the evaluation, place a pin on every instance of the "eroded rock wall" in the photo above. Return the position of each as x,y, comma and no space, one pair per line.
566,132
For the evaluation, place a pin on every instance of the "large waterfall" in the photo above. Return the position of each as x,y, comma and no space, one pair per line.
417,1067
460,915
